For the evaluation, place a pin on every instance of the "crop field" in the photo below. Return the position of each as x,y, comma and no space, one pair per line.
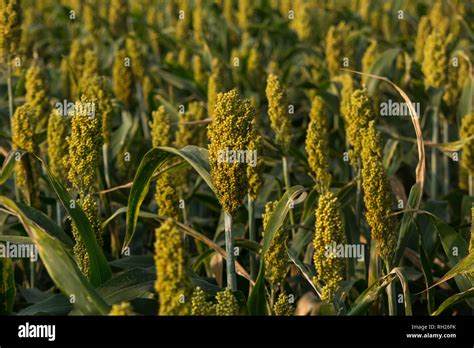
236,158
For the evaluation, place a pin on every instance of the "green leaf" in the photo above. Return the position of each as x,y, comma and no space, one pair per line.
294,195
400,272
257,304
99,268
16,239
308,272
61,266
150,163
465,102
8,166
53,305
381,67
455,299
363,302
128,285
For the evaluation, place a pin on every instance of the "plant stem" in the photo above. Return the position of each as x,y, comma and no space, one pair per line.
105,158
392,305
470,183
141,111
434,157
229,248
252,236
58,213
286,178
445,158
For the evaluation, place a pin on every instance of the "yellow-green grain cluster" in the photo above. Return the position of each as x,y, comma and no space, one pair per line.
435,60
200,305
231,129
166,194
172,284
37,92
10,28
377,193
424,29
215,85
227,304
244,13
26,170
278,112
458,76
347,88
122,78
465,131
200,75
58,150
368,59
337,47
317,139
121,309
118,12
133,49
283,307
184,19
329,230
276,258
7,286
302,22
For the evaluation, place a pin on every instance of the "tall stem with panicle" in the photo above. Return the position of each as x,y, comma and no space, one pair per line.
252,236
229,247
286,178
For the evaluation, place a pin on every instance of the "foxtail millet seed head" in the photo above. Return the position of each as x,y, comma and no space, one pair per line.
37,91
160,127
172,284
465,131
377,193
329,230
10,28
435,60
85,143
283,307
255,174
230,130
121,309
58,150
244,13
337,47
317,145
122,78
347,88
302,23
7,286
278,112
368,59
227,304
199,73
215,85
117,17
200,304
183,22
276,258
133,48
424,29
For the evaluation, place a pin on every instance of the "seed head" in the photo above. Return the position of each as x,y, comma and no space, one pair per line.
457,78
37,91
337,47
215,85
302,24
10,28
245,10
160,128
122,77
89,71
84,143
198,17
133,48
231,129
329,230
255,174
172,282
121,309
276,258
317,139
377,193
369,58
278,112
89,17
347,88
283,307
200,305
438,17
26,170
58,151
424,29
227,304
435,60
200,75
183,24
467,130
7,286
118,12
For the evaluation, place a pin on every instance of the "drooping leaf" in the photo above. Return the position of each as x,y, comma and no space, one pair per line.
257,304
453,300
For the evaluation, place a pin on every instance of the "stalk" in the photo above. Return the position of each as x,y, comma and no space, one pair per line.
445,159
229,247
434,157
252,236
392,305
471,185
105,158
286,177
10,111
58,213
